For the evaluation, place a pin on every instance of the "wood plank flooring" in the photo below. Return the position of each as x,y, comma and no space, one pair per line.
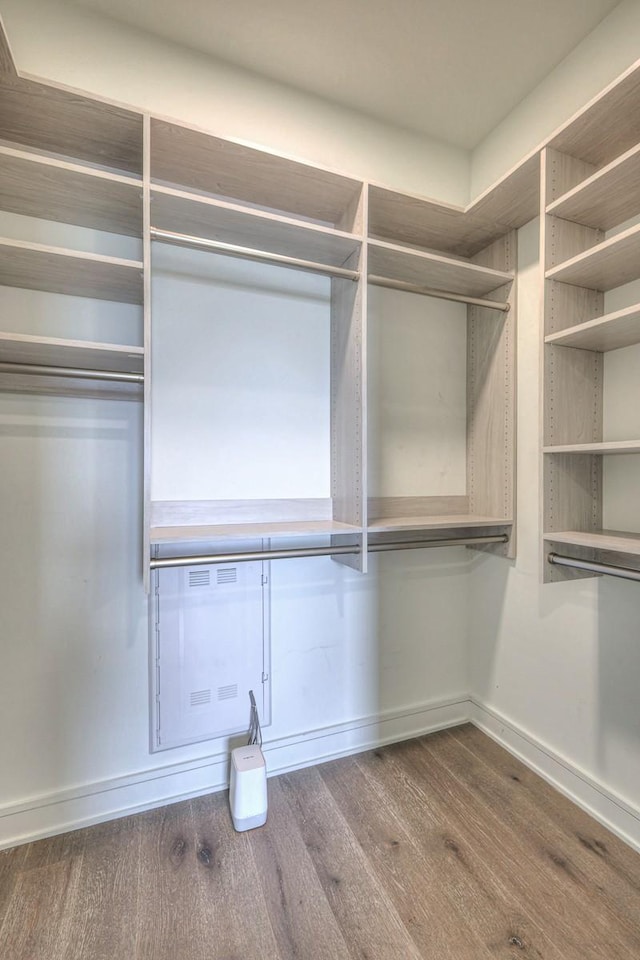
440,848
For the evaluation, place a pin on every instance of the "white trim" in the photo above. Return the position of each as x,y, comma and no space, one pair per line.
617,814
57,812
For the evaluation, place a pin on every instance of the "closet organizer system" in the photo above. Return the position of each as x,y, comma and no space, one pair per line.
73,159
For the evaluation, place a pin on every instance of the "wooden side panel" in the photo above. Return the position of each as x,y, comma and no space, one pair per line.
491,398
68,123
146,305
348,404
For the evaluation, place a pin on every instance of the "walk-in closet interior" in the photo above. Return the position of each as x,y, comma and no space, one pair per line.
353,427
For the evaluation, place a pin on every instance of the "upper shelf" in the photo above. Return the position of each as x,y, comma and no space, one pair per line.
614,541
249,531
187,157
423,268
64,122
427,522
84,354
608,197
610,332
53,189
192,214
35,266
599,448
607,265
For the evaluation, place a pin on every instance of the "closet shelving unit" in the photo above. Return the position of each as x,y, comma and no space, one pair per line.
65,158
590,246
421,247
73,159
233,200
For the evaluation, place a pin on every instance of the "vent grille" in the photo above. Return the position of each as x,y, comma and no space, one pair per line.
199,578
227,574
229,692
200,697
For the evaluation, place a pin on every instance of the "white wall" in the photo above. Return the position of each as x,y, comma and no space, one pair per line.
85,50
601,57
554,668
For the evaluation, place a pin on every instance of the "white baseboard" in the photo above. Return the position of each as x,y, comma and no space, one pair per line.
81,806
611,810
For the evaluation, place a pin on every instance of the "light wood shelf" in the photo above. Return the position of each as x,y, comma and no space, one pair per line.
610,332
251,531
428,269
608,197
610,540
454,522
45,117
602,448
187,157
607,265
52,189
213,219
84,354
35,266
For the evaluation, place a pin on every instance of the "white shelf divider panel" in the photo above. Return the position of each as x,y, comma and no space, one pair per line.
610,332
53,189
213,219
35,266
423,268
606,198
607,265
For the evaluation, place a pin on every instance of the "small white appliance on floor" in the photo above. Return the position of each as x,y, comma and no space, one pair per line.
248,781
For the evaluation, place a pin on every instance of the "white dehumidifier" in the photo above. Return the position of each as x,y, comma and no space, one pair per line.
248,780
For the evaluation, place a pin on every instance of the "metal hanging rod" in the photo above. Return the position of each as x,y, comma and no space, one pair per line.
439,294
160,562
246,253
77,373
625,573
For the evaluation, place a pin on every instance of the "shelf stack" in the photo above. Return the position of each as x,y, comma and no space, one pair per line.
591,243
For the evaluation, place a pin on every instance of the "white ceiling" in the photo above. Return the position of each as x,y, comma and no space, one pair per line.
448,68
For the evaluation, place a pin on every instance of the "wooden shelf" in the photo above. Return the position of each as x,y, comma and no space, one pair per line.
64,122
458,521
185,156
433,270
609,540
51,189
35,266
251,531
85,354
610,332
602,448
607,265
608,197
213,219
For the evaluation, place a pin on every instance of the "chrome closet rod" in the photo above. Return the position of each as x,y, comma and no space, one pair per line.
299,552
77,373
247,253
439,294
625,573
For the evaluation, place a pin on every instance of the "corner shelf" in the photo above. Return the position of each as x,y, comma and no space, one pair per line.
607,265
606,198
609,332
35,266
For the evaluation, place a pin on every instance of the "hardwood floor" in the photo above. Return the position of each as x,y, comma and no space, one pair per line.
441,848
